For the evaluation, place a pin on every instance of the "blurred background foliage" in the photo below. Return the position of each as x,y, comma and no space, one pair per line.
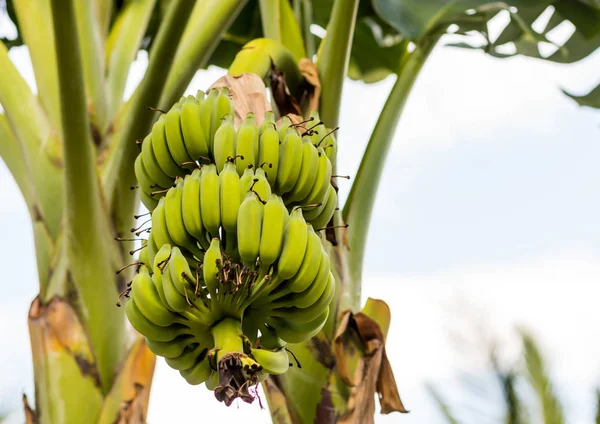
562,31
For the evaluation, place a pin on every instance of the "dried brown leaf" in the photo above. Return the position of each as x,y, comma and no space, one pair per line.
367,372
248,93
312,94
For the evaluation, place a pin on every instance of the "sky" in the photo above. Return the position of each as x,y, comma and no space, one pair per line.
486,221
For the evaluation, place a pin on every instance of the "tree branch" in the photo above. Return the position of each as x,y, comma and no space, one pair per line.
85,230
333,58
359,205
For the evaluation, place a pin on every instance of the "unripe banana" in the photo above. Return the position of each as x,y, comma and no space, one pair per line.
191,127
149,202
192,216
206,112
308,172
296,332
198,374
210,267
175,137
249,228
246,144
246,181
289,162
324,217
175,300
213,381
321,184
271,236
268,122
283,126
152,250
229,184
159,264
171,349
268,154
148,302
294,246
161,150
150,330
273,361
188,358
223,107
224,146
200,96
159,224
152,166
269,338
147,185
209,200
143,255
311,312
318,130
179,269
311,294
261,186
174,219
311,265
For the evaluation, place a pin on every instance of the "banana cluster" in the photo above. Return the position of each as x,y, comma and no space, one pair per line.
230,276
296,162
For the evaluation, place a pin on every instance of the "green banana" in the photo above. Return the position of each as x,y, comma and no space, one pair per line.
198,374
249,229
224,146
188,358
151,165
149,202
148,301
271,236
209,200
206,113
261,186
295,239
179,269
223,107
326,214
192,217
161,150
174,219
171,349
268,151
210,267
159,224
296,332
311,265
272,361
322,182
229,184
308,172
150,330
246,144
246,181
191,127
282,128
289,162
147,185
175,137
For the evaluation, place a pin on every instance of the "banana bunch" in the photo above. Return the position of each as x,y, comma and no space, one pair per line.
296,162
229,277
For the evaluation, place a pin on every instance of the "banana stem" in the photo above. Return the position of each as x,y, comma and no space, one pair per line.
226,335
334,56
359,206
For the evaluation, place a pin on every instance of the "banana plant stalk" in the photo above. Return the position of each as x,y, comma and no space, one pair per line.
71,151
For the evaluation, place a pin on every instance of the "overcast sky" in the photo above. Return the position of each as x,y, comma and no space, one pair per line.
487,216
